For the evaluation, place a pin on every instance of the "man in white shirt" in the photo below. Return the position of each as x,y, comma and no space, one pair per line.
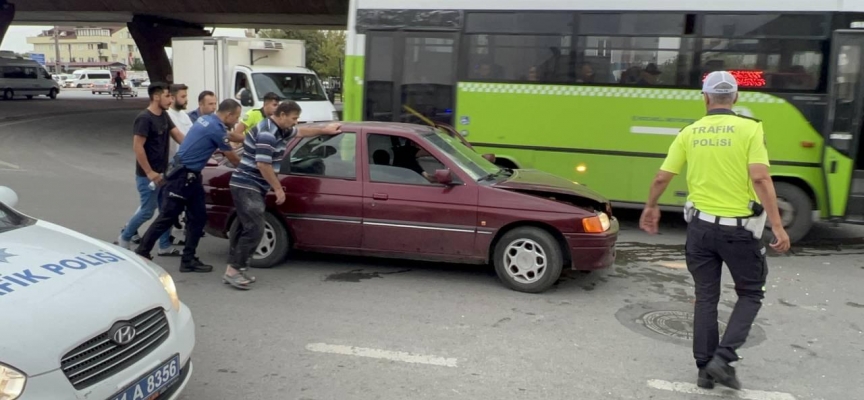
180,97
177,112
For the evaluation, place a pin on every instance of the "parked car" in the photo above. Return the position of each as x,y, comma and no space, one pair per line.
416,192
82,318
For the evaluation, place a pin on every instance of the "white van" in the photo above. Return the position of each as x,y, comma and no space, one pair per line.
84,78
23,77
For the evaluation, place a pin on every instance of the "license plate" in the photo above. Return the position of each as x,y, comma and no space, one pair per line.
151,385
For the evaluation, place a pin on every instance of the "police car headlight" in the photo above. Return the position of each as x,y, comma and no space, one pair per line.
12,382
168,284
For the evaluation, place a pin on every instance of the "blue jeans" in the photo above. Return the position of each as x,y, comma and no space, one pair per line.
149,203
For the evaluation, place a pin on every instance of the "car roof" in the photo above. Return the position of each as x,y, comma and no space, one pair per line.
385,127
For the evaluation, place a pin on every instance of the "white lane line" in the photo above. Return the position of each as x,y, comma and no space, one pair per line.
652,130
718,390
8,165
382,354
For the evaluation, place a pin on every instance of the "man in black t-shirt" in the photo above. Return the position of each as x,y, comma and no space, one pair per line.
152,131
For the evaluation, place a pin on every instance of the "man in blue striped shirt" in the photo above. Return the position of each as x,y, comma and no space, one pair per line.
263,151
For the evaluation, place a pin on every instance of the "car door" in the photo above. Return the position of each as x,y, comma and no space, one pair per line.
403,212
323,192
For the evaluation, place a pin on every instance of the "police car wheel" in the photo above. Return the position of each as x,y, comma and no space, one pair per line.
528,259
274,245
796,211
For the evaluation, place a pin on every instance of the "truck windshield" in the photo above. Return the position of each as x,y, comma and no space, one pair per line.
290,86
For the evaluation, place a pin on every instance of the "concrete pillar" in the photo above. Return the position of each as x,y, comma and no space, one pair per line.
152,35
7,14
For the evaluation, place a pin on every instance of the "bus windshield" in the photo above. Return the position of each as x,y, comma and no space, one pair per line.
290,86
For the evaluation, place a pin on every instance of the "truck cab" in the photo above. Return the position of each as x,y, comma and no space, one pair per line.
251,84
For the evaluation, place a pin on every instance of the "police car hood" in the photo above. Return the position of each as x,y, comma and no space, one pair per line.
60,288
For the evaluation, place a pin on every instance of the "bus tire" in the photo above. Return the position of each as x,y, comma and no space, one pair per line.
792,200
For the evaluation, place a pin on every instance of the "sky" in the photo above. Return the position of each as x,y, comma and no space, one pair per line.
16,36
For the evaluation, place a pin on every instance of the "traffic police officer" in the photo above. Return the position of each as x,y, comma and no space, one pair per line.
255,116
184,191
730,193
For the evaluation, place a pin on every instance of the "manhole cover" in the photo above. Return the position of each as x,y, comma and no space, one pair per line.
673,322
677,324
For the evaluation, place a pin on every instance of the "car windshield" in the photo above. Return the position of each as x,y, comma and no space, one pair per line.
467,159
10,220
290,86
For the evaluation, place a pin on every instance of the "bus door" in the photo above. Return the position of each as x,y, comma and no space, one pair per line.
410,76
844,167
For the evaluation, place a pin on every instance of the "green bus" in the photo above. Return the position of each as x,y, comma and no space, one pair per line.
597,93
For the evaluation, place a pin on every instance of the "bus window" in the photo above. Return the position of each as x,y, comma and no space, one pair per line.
637,60
755,25
510,58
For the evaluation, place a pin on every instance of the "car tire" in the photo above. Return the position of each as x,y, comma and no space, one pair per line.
29,97
52,94
529,239
277,242
792,199
8,94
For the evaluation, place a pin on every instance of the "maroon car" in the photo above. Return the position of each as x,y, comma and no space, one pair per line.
416,192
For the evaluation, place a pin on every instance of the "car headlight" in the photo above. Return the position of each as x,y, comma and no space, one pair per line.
168,284
12,382
598,224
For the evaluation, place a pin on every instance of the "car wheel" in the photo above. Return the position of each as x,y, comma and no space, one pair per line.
796,212
29,97
528,259
52,94
8,94
274,245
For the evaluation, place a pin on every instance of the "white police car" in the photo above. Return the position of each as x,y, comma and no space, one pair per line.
84,319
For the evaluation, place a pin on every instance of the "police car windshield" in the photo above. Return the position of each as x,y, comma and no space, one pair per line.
10,219
289,86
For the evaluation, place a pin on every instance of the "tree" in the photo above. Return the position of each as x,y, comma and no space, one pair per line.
138,65
324,49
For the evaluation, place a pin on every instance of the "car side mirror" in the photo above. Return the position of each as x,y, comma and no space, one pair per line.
246,99
8,197
443,176
489,157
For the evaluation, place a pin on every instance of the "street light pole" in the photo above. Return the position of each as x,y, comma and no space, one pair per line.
56,51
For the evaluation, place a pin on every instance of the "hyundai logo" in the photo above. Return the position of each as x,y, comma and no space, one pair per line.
123,333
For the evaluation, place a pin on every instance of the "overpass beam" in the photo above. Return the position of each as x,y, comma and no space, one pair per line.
152,35
7,14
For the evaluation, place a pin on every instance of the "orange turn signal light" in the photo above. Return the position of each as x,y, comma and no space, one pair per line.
807,144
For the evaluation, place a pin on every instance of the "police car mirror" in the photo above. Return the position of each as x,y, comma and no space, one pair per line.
8,197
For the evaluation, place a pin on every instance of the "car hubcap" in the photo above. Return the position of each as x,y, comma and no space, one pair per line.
268,242
525,261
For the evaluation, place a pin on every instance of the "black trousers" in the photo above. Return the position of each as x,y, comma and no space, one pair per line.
246,235
709,245
183,192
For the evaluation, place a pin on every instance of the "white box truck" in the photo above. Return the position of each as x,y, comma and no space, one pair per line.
225,65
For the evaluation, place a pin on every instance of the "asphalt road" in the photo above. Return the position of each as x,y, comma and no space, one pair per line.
325,327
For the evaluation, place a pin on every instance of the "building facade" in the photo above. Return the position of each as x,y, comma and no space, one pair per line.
92,47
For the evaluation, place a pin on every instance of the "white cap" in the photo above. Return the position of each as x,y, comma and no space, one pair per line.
718,78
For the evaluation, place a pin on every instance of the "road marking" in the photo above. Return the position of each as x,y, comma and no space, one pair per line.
382,354
8,165
690,388
653,130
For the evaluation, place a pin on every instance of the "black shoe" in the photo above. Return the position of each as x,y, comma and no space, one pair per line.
723,373
704,380
147,256
195,266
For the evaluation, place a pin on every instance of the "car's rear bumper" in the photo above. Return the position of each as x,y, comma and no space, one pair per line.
592,251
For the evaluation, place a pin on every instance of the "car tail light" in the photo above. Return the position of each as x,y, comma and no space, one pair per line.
596,224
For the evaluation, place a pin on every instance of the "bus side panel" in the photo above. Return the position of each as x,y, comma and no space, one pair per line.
614,139
352,81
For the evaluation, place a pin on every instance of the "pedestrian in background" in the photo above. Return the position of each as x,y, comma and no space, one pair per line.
152,132
263,150
730,193
184,189
206,105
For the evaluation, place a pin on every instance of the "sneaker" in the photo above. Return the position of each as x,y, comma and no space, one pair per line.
704,380
723,373
169,252
123,243
195,266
